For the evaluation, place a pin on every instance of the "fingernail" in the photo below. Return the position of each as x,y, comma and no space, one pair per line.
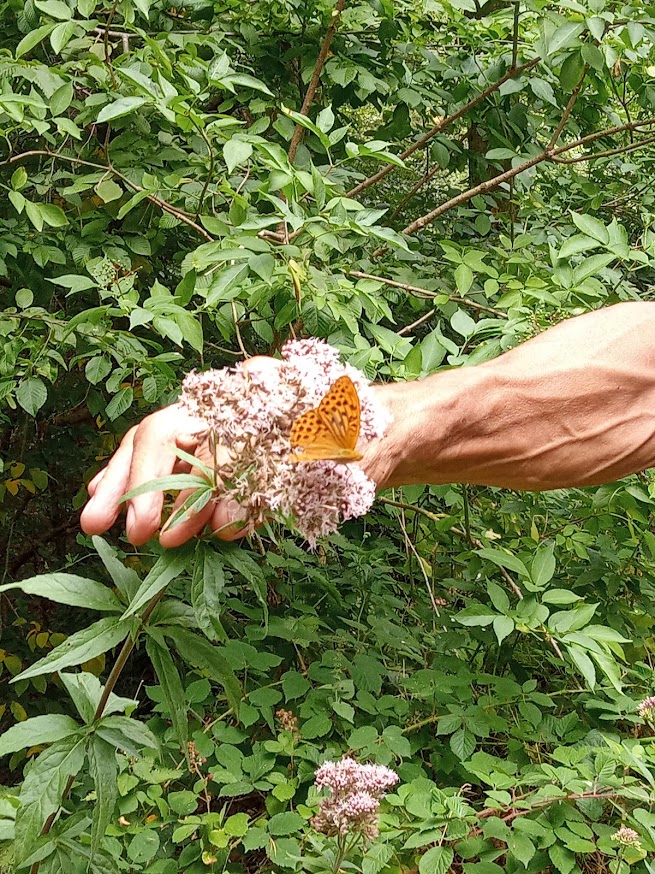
129,522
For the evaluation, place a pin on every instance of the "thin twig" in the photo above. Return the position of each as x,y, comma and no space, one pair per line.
489,184
631,147
109,168
316,76
415,324
567,111
444,123
423,292
238,332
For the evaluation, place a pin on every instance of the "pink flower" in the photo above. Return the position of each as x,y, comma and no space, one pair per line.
354,800
647,708
627,837
250,415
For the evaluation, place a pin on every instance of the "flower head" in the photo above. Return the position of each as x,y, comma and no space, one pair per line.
647,708
250,414
627,837
354,800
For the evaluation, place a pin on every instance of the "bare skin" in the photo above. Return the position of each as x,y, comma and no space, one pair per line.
574,406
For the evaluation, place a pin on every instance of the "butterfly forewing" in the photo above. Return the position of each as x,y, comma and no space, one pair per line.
330,432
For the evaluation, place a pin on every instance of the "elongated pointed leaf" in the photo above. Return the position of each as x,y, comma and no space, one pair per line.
69,589
125,578
200,653
171,685
80,647
167,567
104,769
37,730
42,789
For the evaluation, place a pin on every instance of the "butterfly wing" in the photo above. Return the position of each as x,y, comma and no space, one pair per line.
330,432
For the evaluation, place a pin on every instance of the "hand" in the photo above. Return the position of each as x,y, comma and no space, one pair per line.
147,452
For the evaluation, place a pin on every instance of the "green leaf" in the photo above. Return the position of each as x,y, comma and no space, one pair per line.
103,769
207,584
124,578
559,597
42,789
591,227
80,647
583,663
55,8
200,653
436,861
565,36
543,565
144,846
167,567
173,691
37,730
463,280
166,483
108,190
120,403
32,39
61,35
97,368
503,559
249,570
31,394
503,626
119,108
294,685
285,824
235,152
121,732
463,743
562,859
68,589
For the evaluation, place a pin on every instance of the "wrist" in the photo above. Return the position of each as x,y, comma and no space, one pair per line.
432,422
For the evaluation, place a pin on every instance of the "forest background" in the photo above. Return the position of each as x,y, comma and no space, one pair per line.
424,185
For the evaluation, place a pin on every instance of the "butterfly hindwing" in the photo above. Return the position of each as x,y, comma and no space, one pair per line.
329,432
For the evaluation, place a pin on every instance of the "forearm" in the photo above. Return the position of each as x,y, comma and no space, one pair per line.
574,406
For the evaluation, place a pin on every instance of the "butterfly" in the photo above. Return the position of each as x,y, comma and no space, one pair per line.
329,432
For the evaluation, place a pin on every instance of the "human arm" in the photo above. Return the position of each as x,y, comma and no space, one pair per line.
573,406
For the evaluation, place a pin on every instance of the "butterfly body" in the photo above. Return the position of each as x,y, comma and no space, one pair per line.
330,431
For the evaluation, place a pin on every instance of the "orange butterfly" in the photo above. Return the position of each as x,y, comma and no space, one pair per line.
330,432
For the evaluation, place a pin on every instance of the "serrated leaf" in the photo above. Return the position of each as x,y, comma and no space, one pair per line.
463,743
31,394
436,861
171,685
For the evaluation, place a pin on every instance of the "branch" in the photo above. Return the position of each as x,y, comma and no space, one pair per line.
316,76
567,110
547,154
423,292
444,123
631,147
408,328
109,168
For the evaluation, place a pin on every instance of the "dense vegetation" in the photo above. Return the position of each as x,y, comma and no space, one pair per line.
424,184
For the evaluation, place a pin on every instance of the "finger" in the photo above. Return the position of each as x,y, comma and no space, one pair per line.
102,508
153,456
190,526
228,521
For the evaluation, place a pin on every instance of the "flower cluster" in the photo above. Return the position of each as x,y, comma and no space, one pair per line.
250,412
288,720
627,837
354,800
647,708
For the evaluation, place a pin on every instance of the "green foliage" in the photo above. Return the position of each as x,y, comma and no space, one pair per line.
465,175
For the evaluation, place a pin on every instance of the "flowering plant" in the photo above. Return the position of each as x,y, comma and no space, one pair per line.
350,811
249,414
